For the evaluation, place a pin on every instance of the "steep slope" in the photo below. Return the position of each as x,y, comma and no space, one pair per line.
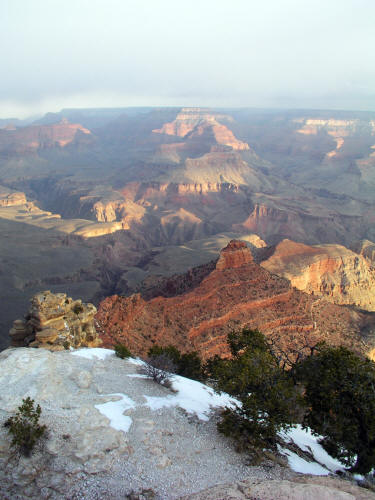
331,271
237,293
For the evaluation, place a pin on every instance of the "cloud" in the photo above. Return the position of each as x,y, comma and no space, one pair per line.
63,52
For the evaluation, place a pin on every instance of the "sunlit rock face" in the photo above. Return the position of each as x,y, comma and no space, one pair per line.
34,137
9,198
193,123
56,322
331,271
234,293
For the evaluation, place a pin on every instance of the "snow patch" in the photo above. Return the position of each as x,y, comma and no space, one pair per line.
114,410
305,440
93,353
298,464
135,361
192,396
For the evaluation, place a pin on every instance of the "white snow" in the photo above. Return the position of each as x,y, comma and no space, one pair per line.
298,464
192,396
305,440
135,361
199,399
113,410
93,353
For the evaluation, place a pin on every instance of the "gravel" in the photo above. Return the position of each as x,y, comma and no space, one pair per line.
168,450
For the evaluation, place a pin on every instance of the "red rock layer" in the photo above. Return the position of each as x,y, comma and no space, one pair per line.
27,139
196,123
236,294
333,271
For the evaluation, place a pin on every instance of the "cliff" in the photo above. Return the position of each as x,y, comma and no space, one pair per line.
331,271
29,139
310,224
196,123
237,293
10,198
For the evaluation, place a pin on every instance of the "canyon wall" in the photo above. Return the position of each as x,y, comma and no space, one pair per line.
331,271
237,293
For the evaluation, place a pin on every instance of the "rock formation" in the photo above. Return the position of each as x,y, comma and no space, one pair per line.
299,488
29,139
56,322
192,123
331,271
236,293
274,223
10,198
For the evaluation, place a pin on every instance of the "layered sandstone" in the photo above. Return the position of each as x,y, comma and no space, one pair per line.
56,322
274,223
237,293
331,271
334,127
29,139
9,198
195,123
366,248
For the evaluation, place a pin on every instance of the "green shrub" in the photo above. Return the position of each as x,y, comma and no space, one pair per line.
172,352
190,366
268,398
25,428
187,365
340,394
122,351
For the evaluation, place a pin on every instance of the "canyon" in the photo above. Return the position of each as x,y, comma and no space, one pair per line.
96,203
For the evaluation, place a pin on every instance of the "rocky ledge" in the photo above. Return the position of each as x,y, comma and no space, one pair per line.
56,322
111,432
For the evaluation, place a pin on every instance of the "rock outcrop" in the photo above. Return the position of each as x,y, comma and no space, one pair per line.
56,322
302,488
331,271
193,123
10,198
274,223
29,139
237,293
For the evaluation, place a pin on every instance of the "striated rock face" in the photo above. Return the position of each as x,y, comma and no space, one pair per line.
32,138
235,254
237,293
332,271
192,123
274,224
56,322
366,248
9,198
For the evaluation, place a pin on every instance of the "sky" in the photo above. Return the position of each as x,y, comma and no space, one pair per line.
253,53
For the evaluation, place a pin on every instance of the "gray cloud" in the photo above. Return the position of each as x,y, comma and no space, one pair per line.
57,53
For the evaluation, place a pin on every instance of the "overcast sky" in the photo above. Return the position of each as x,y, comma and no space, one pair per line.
262,53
